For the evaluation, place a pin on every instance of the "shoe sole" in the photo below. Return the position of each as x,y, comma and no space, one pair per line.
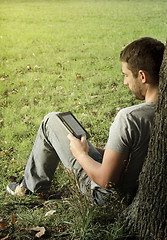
10,191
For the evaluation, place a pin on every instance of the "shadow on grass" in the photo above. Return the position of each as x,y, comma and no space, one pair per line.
74,216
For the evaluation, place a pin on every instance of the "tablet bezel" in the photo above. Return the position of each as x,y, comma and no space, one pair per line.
67,125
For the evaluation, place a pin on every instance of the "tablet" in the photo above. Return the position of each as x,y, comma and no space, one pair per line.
72,124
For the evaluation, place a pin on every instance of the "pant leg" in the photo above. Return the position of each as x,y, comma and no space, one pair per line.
51,146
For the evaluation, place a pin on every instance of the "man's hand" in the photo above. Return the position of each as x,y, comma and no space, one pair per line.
78,147
103,173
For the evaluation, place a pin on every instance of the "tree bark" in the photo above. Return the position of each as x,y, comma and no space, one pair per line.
147,214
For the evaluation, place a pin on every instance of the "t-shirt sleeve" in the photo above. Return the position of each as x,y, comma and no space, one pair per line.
120,135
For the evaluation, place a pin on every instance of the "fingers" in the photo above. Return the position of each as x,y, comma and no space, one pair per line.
83,138
78,146
71,137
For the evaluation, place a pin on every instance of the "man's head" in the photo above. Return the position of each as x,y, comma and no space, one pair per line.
144,54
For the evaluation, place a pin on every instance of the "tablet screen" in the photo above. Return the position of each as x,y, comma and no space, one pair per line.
73,124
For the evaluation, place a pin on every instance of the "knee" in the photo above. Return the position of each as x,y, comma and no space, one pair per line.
49,118
50,115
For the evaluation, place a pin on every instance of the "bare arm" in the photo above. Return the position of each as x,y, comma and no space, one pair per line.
109,171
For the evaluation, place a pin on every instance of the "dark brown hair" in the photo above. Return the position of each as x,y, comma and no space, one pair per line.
144,54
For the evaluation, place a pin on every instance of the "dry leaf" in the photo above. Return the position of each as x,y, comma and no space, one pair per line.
29,68
38,67
41,231
14,90
59,64
13,218
2,153
1,121
3,225
7,236
94,111
41,195
51,212
78,76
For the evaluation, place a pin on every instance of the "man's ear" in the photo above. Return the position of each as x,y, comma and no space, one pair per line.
142,75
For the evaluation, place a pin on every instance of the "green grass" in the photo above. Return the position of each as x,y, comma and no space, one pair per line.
59,55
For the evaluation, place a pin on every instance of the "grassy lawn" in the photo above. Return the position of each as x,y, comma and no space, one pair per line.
60,55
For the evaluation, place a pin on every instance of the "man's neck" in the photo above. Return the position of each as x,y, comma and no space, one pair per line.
151,94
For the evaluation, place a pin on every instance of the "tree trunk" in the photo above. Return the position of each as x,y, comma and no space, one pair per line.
147,214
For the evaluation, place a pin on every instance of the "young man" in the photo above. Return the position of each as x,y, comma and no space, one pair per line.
120,163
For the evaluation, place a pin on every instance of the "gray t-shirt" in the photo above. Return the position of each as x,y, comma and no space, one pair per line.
130,134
